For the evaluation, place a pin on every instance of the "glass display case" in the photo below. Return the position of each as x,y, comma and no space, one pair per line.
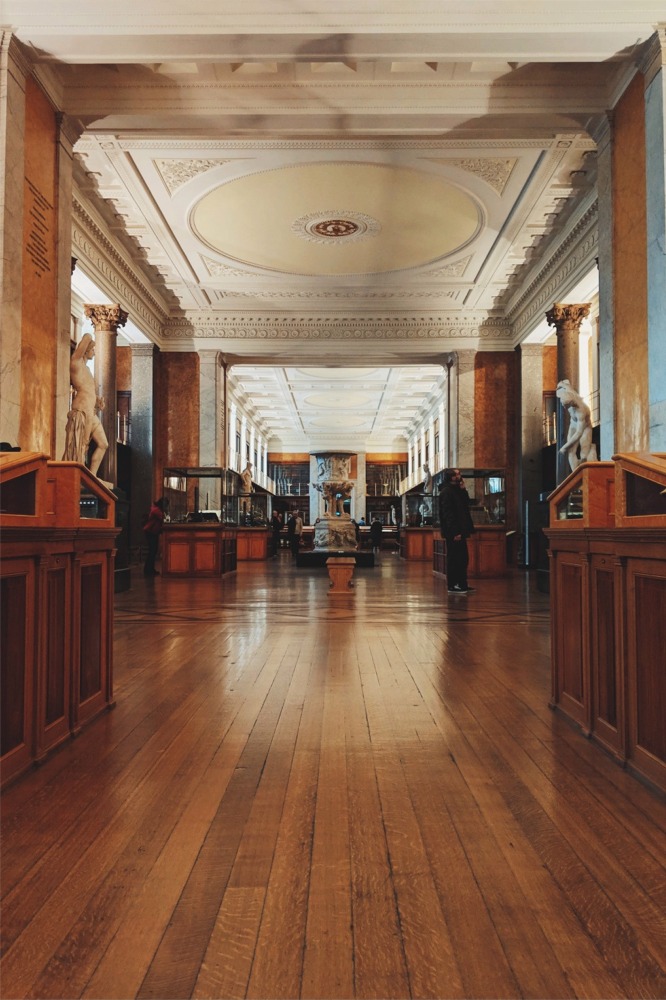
201,494
640,490
487,491
420,510
209,495
586,498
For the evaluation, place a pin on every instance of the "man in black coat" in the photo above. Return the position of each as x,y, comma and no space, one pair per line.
455,525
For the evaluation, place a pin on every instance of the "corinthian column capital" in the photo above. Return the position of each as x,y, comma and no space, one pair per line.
567,317
106,318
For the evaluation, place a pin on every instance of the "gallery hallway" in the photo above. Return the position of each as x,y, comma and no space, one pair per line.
305,796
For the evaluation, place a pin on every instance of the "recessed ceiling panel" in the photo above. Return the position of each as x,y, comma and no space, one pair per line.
328,219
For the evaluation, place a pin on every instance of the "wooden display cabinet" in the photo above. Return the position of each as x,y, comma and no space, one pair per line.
608,610
640,490
586,498
198,549
56,596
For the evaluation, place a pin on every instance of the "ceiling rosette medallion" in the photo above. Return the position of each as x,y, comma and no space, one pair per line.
335,227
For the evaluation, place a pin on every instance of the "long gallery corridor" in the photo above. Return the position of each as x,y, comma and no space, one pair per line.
305,796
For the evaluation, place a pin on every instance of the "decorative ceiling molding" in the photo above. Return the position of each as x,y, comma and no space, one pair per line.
219,270
574,256
495,172
455,269
351,295
326,328
108,265
578,140
176,173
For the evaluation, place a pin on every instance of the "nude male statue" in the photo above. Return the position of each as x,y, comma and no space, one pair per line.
579,437
83,424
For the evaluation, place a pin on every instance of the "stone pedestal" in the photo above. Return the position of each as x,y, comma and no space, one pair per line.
335,533
340,570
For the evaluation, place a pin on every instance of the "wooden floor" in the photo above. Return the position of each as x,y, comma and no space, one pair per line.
305,796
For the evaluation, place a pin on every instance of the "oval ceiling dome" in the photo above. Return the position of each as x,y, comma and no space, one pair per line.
327,219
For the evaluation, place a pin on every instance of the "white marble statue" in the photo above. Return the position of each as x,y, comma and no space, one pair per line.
83,424
246,479
578,446
427,480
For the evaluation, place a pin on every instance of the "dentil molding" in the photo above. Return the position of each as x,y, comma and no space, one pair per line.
320,328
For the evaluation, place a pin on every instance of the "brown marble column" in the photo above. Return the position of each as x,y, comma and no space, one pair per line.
106,319
567,319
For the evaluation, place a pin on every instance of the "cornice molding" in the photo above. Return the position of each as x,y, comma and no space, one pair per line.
576,140
119,279
15,52
567,264
329,328
653,58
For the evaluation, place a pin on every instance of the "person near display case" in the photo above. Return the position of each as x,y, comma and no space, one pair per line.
455,525
376,535
294,531
152,530
276,528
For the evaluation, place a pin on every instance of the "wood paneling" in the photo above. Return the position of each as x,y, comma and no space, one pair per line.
416,544
607,696
252,543
57,586
609,636
17,596
198,549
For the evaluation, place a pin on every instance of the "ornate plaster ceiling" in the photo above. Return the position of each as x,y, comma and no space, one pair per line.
370,181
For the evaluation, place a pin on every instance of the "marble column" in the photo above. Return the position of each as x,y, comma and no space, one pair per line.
441,456
451,409
531,423
242,458
144,489
602,136
566,319
654,69
68,133
13,72
463,433
432,458
105,320
231,437
360,488
211,418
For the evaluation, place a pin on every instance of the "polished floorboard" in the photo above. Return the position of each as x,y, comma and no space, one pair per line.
300,795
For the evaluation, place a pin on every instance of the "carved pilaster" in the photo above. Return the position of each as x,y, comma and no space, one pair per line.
106,319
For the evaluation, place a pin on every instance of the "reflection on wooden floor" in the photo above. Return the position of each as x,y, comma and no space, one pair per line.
365,796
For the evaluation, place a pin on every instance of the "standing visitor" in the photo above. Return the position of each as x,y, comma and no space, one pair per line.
276,527
376,535
455,525
294,532
152,530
